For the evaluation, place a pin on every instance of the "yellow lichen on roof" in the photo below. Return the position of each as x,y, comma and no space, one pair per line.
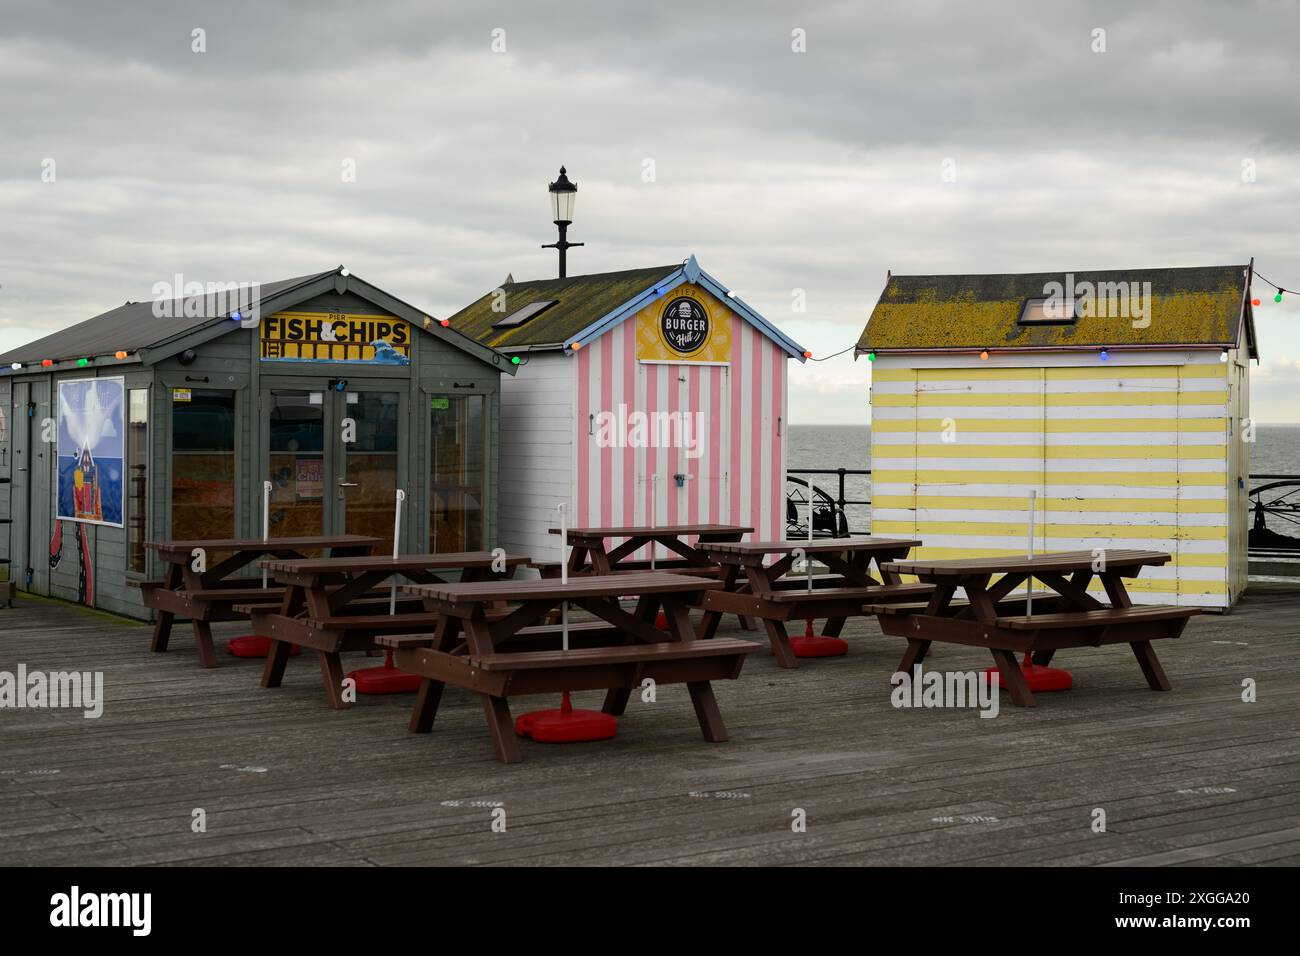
926,318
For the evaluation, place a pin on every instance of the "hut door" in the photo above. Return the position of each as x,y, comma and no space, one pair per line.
333,461
44,542
296,430
366,477
679,451
702,423
19,470
457,476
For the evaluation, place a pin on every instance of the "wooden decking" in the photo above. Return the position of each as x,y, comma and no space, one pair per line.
1189,777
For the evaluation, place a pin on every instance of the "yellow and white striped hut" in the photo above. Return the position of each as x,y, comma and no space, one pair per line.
1120,398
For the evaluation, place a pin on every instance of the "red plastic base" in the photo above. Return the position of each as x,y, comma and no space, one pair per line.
566,725
818,646
1041,680
661,621
385,679
810,645
254,645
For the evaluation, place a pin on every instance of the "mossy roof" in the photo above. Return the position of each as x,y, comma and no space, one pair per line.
579,301
1200,306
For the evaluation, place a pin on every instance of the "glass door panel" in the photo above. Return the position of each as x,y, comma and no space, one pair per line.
297,460
203,463
368,487
458,480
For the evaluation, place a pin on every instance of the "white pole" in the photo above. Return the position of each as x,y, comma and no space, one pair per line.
1029,581
397,531
808,556
266,519
654,514
564,577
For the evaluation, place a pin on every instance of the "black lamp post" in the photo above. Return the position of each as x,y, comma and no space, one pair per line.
563,194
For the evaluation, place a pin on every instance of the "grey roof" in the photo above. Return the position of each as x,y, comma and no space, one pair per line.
137,327
134,326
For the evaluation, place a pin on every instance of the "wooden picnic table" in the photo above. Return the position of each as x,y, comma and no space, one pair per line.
329,606
590,554
993,617
518,654
767,593
212,594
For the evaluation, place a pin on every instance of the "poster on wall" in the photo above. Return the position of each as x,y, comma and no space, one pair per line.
90,450
309,479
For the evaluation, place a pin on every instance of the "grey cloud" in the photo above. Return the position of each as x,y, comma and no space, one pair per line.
779,170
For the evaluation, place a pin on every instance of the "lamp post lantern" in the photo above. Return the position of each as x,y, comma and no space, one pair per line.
563,194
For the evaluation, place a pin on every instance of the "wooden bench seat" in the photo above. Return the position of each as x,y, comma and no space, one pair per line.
799,579
624,653
1105,617
254,595
551,569
906,607
222,586
401,641
366,621
835,594
1045,599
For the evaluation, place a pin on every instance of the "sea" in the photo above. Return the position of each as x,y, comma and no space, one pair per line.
1276,452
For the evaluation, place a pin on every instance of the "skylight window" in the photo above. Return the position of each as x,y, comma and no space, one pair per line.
520,316
1050,310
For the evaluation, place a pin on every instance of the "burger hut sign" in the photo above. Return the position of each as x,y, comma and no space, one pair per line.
685,325
688,325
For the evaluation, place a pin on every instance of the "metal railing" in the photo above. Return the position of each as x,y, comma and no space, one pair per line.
841,500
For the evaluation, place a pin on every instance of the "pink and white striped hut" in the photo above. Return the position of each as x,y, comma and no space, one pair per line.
650,396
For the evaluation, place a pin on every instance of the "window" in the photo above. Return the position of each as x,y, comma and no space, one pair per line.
137,478
520,316
1050,310
458,483
203,463
296,430
371,465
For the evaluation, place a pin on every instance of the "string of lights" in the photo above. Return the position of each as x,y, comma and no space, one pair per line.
1280,290
831,356
1104,354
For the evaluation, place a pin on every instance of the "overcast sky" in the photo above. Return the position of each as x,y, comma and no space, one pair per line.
780,170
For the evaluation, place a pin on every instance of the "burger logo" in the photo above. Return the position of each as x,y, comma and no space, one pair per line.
685,326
